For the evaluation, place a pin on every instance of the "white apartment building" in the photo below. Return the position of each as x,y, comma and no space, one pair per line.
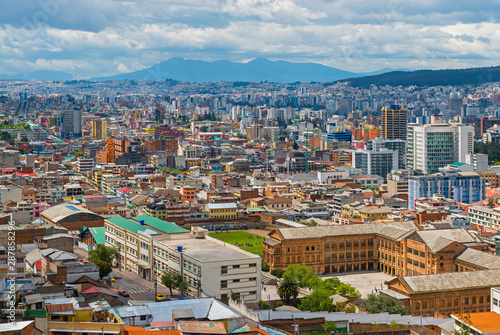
84,164
433,146
210,267
484,216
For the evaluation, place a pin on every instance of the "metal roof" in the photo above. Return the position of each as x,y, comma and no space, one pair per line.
129,225
164,226
202,308
98,234
60,212
222,205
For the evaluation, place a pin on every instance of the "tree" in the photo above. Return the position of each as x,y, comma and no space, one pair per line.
24,139
329,326
182,285
78,154
288,289
104,267
263,304
103,253
318,301
383,304
464,326
394,325
302,274
170,280
277,272
265,267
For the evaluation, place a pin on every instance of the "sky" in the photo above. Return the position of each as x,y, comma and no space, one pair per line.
90,38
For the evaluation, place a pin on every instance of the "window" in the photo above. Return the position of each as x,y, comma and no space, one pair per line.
236,266
252,265
481,299
143,317
473,300
253,279
466,301
223,284
424,305
236,280
223,270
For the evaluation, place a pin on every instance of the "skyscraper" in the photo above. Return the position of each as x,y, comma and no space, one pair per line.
433,146
100,129
71,123
394,121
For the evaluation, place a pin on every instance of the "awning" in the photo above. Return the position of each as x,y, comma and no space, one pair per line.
143,264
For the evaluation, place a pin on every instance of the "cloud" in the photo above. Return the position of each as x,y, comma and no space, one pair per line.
105,37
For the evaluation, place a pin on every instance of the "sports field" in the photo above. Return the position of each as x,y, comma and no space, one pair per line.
246,241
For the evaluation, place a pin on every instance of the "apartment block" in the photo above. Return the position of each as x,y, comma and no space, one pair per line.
150,247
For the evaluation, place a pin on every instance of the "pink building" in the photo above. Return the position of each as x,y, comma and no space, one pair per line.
38,208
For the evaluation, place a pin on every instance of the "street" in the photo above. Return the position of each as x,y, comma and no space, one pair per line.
138,288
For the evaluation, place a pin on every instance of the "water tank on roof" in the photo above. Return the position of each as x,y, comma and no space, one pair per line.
179,248
142,222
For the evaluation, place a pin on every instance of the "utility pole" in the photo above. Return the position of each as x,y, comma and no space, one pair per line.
199,283
307,152
155,279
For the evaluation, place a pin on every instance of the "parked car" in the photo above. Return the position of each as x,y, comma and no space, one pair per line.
160,297
123,293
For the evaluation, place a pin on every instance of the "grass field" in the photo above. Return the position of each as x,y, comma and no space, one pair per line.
241,239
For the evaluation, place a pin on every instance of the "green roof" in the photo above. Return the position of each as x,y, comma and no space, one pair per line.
129,225
164,226
457,164
37,313
98,234
256,209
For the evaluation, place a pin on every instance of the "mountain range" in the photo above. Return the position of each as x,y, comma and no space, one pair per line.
259,69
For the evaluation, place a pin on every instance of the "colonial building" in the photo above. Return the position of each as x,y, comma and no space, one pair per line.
397,248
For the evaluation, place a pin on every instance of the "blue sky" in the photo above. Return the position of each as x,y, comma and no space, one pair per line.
103,37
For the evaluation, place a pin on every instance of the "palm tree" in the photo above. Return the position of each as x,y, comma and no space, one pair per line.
288,289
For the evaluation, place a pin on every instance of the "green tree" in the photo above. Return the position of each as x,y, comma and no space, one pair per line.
104,267
302,274
78,154
170,280
182,285
288,289
318,301
277,272
265,267
24,139
393,325
383,304
263,304
103,253
464,326
329,326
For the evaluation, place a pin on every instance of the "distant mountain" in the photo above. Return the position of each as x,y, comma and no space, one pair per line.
41,75
257,70
472,76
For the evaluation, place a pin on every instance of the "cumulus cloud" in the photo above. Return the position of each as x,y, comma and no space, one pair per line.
105,37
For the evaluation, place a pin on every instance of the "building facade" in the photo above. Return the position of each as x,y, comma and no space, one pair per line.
465,187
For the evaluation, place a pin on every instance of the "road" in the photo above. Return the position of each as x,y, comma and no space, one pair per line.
138,288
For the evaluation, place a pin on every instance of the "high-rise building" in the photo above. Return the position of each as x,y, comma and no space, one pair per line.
380,143
380,162
71,123
394,121
433,146
100,129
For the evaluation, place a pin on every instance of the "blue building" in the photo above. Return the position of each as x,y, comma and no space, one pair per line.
465,187
344,135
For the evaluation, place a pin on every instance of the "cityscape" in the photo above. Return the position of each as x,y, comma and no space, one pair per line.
156,180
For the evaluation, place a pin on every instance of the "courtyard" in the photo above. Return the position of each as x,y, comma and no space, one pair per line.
242,239
364,281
